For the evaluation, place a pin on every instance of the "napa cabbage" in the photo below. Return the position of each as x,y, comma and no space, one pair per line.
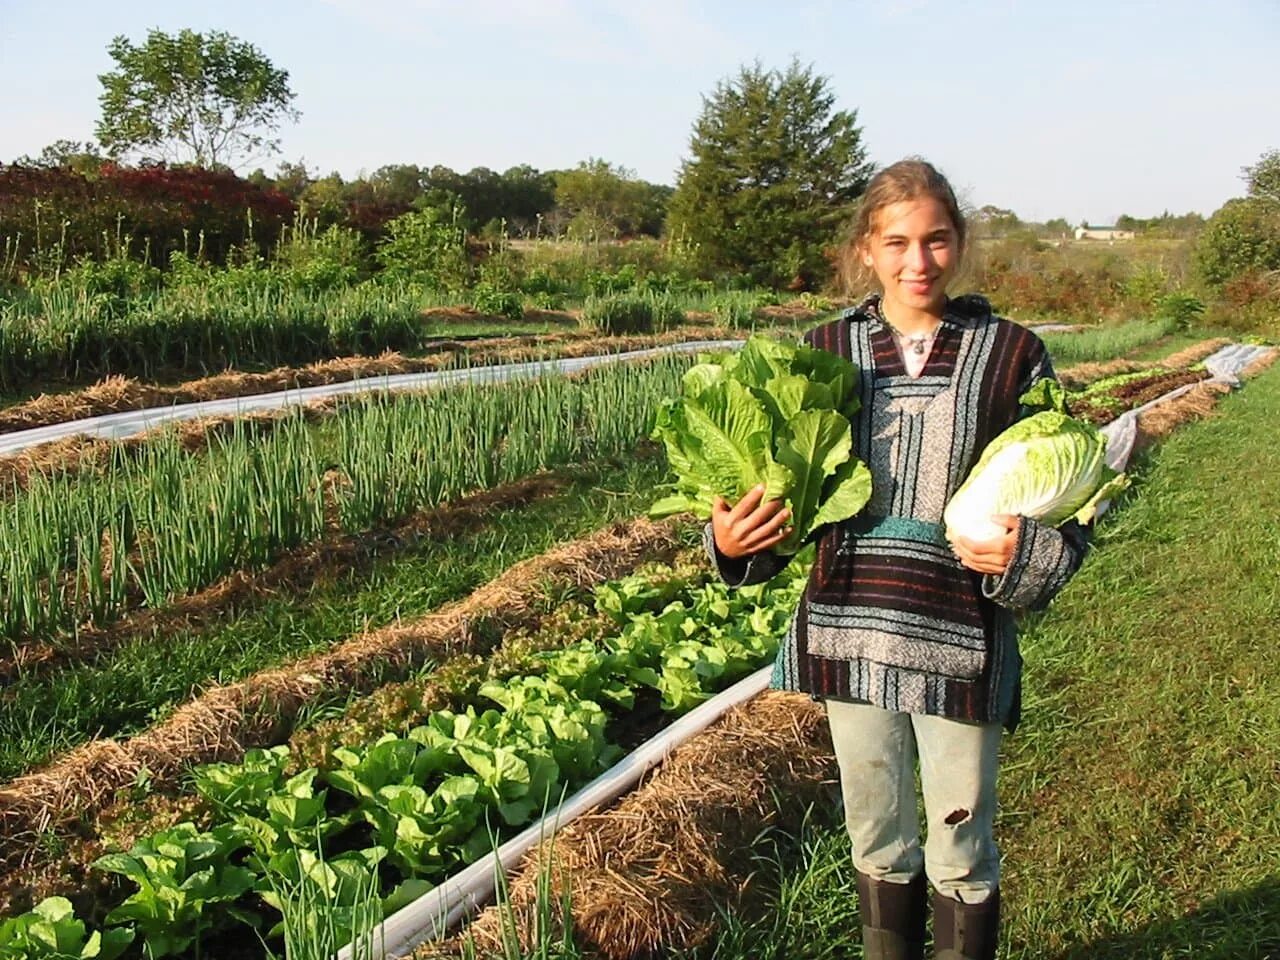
772,413
1049,467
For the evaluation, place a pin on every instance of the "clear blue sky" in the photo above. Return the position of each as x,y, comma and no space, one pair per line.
1081,109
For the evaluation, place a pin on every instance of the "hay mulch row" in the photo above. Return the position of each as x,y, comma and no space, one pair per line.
1195,404
652,873
337,554
117,394
1195,353
225,721
1083,374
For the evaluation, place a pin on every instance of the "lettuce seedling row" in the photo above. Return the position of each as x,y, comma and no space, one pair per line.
401,814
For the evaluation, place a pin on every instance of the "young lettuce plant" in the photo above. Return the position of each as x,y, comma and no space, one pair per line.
52,932
773,413
187,885
1049,467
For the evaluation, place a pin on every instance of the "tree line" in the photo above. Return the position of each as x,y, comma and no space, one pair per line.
773,173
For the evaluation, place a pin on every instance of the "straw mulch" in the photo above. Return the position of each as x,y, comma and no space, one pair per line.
222,723
336,554
649,875
1164,417
1194,353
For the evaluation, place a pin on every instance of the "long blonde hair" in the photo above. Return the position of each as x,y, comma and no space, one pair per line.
913,178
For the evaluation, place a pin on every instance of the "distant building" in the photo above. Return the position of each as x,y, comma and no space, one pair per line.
1103,233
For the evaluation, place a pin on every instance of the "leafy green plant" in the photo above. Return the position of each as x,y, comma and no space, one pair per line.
328,903
497,301
442,796
1049,466
426,245
181,874
316,260
772,414
52,932
243,786
1179,308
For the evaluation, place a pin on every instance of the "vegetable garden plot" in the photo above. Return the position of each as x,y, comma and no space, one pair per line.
261,710
1082,374
161,524
300,877
118,394
653,873
410,809
1103,401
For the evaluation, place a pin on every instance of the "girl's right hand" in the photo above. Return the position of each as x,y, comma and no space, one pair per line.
749,526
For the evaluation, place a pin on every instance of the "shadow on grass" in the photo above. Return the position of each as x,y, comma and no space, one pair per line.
1238,925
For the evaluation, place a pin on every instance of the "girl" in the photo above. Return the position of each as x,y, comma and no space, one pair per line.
908,638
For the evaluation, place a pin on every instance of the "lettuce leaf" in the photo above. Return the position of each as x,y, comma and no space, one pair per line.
773,413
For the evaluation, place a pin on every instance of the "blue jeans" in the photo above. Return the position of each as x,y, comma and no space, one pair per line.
877,751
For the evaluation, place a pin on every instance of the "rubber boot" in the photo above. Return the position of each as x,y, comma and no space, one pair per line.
965,931
893,916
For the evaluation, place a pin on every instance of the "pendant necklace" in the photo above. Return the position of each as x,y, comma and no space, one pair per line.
917,343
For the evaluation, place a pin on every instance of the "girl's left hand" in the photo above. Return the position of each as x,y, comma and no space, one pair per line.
989,556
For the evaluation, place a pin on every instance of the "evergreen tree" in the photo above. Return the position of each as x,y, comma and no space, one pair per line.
774,172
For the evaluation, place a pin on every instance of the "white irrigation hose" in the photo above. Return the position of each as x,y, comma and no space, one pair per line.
117,426
431,916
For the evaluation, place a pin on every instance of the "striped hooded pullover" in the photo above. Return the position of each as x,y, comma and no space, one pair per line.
889,616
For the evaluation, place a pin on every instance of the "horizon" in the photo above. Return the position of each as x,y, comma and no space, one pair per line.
553,83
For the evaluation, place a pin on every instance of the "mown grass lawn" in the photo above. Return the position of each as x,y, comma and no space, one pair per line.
1141,795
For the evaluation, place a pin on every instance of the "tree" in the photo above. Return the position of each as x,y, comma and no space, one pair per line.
530,194
774,171
1241,237
292,179
207,99
1264,177
996,221
83,158
602,200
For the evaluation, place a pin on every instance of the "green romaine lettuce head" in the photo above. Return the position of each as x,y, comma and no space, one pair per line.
773,413
1049,467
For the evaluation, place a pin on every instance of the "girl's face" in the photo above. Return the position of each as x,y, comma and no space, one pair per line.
914,251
